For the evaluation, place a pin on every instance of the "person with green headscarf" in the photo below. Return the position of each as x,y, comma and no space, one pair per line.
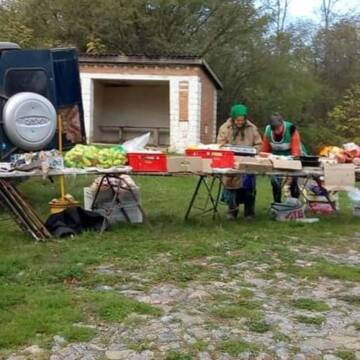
238,130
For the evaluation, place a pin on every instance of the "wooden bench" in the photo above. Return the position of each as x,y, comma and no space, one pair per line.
155,131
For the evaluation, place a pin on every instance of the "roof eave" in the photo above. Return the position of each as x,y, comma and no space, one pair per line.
118,59
212,74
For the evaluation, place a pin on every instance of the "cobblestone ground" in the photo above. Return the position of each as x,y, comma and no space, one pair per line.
242,310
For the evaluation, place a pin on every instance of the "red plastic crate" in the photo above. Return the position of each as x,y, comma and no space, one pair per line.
147,162
220,158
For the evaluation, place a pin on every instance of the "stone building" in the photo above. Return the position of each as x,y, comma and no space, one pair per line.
173,98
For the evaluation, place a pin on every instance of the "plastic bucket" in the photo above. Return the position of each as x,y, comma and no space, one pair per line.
59,206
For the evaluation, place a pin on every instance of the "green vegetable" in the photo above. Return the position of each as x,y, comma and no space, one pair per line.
83,156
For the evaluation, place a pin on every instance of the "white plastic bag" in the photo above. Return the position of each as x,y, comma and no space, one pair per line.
354,196
350,147
137,143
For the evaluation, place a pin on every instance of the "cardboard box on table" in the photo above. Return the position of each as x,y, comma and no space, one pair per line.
339,177
183,164
206,166
248,163
285,164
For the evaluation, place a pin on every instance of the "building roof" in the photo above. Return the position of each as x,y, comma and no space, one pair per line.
187,60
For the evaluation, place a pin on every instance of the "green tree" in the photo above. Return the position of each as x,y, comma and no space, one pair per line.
337,59
95,46
300,69
12,26
346,115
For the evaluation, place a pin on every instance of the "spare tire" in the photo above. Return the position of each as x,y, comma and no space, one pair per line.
29,121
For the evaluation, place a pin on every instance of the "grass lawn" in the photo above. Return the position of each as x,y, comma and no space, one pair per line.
46,288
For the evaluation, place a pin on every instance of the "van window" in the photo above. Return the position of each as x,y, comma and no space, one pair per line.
19,80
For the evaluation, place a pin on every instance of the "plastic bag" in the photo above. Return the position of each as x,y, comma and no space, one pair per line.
292,209
119,148
137,143
350,147
354,195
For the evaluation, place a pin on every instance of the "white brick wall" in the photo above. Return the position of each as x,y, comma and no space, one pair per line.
87,93
182,133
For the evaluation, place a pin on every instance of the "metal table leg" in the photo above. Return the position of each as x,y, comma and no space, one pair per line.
209,190
318,182
210,196
116,198
326,193
116,202
214,201
194,196
218,196
130,190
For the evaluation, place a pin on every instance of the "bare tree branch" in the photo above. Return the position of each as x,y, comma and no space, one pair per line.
327,7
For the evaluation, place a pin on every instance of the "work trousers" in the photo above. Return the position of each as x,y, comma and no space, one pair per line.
277,181
245,195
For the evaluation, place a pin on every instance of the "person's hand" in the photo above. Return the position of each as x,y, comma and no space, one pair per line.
264,154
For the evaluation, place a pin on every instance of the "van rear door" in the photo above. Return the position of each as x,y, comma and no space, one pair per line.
68,95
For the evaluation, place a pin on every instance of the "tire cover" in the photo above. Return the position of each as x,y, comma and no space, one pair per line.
29,121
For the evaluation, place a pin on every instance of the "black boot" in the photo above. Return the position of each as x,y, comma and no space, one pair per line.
232,213
249,205
276,188
294,188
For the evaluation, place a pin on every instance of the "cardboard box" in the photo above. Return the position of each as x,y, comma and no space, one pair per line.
179,164
206,166
284,164
107,196
115,215
246,163
339,177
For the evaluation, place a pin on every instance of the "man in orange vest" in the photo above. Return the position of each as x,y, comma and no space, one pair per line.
282,138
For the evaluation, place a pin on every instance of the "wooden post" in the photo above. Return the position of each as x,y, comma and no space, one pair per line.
156,136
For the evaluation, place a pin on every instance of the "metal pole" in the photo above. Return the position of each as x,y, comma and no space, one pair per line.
201,179
62,178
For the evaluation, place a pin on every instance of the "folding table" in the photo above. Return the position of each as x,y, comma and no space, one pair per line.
12,200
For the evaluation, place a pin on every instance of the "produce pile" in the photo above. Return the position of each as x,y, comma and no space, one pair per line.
349,153
84,156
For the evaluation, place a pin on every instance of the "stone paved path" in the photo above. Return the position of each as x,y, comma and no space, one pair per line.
243,314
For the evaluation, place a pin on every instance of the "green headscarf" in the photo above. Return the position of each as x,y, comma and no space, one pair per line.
238,110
